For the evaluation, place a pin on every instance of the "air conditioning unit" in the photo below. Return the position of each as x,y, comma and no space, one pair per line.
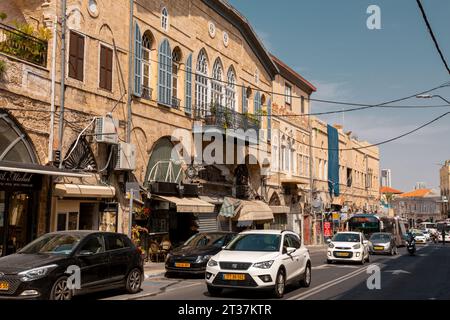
106,130
126,157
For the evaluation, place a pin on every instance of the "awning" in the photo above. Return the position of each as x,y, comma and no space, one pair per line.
244,224
212,200
38,169
254,211
229,207
84,191
280,209
188,205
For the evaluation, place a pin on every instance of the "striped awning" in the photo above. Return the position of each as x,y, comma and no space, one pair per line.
188,205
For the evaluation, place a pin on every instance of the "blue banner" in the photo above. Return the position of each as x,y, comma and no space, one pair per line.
333,161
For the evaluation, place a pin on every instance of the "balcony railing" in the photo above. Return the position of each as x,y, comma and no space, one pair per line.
225,118
23,46
147,93
176,103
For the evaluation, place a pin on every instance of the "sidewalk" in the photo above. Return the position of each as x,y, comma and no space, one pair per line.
316,248
154,269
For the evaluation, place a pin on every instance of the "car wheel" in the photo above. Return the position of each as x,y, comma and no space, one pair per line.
213,291
306,280
134,281
60,290
280,284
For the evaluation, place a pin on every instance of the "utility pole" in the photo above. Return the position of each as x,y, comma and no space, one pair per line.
311,178
53,93
63,77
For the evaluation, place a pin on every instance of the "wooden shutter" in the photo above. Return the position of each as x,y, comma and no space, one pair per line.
188,86
106,61
165,74
269,120
137,61
76,56
244,99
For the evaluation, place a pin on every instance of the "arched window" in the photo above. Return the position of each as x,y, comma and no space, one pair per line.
165,74
176,58
188,86
14,145
147,41
230,102
217,83
165,19
163,164
201,84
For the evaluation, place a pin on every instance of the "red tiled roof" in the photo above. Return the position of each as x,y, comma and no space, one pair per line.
419,193
390,190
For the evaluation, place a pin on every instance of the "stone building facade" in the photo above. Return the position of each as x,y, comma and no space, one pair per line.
444,177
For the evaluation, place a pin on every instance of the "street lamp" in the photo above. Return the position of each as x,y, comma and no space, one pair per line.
429,96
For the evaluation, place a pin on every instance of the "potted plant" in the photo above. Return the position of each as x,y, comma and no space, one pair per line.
136,233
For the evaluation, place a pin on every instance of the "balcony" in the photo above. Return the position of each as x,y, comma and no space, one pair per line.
176,103
23,46
227,119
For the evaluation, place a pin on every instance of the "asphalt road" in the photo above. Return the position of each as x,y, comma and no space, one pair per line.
423,276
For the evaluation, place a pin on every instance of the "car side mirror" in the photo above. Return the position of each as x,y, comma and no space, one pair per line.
85,253
328,241
365,242
285,251
291,250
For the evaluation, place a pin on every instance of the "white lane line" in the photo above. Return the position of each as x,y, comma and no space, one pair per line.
328,284
161,292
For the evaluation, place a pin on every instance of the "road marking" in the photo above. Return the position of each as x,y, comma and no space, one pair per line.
328,284
397,272
160,292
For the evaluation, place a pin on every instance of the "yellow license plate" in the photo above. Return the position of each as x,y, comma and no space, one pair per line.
239,277
378,248
182,265
342,254
4,286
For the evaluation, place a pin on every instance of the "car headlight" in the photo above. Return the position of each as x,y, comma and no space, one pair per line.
201,259
263,265
212,263
331,245
357,246
36,273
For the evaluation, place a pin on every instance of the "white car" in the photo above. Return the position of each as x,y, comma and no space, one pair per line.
260,259
348,246
426,234
447,237
419,237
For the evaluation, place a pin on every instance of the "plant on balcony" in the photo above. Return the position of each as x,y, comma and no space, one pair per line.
252,118
3,16
227,118
27,42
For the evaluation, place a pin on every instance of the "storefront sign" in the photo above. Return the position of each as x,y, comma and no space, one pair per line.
327,232
18,180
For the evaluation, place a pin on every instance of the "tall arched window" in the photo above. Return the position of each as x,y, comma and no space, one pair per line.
217,83
201,84
147,41
257,106
165,74
165,19
230,102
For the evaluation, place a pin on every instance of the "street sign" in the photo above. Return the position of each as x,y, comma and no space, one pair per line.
132,186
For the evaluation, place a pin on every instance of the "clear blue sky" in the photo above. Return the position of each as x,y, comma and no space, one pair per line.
327,42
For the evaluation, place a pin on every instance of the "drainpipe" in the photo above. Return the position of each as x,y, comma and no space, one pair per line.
130,72
63,78
52,104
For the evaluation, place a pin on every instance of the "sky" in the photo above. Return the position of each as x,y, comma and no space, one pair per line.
329,44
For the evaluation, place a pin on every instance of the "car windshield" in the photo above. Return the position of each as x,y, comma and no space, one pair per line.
53,244
206,239
380,237
346,237
256,242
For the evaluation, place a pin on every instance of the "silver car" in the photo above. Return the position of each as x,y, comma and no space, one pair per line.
382,243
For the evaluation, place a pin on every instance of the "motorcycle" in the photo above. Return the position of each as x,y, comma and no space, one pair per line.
411,246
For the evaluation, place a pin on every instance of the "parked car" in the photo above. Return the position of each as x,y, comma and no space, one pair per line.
348,246
195,253
419,237
260,259
42,269
426,234
382,243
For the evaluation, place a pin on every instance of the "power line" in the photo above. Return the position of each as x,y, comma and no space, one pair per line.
430,31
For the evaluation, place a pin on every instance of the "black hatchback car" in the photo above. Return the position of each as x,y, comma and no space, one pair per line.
194,254
59,265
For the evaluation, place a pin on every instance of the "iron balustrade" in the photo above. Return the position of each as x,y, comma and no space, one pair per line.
23,46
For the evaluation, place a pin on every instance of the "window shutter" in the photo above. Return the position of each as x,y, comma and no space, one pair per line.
137,61
269,120
188,86
76,56
244,100
106,59
165,74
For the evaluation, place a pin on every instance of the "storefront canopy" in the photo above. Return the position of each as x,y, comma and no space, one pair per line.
84,191
280,209
254,211
38,169
188,205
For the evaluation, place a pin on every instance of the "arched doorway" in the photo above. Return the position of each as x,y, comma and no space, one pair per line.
18,191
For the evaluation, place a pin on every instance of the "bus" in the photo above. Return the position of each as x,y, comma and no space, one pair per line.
431,227
369,224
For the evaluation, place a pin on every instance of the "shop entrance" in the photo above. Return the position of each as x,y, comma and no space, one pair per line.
16,224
